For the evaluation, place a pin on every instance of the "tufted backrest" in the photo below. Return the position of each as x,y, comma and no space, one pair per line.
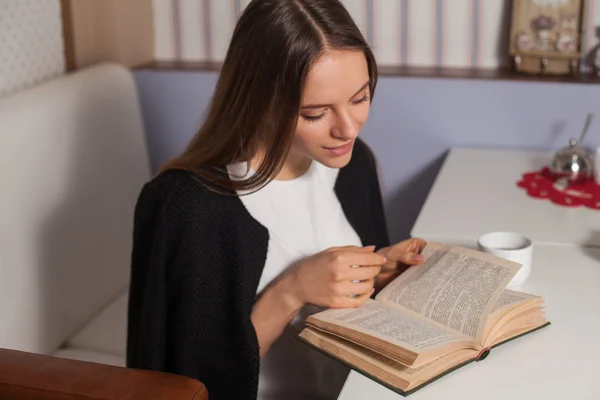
72,161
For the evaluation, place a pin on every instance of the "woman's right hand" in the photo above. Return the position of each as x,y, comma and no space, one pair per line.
328,279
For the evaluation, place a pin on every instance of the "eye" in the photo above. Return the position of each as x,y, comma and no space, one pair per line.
361,100
313,118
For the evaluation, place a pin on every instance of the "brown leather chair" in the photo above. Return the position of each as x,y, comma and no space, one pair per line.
27,376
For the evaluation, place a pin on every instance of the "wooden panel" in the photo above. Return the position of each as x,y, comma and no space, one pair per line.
108,30
68,40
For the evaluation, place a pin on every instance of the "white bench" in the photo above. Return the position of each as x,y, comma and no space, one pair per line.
73,158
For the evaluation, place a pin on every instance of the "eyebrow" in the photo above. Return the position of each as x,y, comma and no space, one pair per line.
313,106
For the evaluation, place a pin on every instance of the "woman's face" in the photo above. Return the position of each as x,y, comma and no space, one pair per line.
335,105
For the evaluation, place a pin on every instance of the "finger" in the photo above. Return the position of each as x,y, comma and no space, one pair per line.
361,258
358,301
355,289
363,273
405,256
367,249
417,245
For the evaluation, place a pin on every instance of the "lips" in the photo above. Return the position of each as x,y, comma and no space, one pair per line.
340,150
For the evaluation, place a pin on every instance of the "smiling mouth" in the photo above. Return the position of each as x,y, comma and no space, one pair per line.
340,150
340,147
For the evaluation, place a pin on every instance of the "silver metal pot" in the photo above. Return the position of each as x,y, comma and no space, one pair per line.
573,163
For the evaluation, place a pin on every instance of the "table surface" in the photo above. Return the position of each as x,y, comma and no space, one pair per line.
557,362
476,191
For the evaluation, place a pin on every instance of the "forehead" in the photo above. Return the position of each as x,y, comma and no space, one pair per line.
336,76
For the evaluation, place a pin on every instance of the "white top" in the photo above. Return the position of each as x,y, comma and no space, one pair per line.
476,192
303,217
559,362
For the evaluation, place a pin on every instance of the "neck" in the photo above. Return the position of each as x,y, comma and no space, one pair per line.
294,166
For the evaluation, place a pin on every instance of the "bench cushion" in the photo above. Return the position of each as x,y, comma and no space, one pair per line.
107,332
72,162
91,356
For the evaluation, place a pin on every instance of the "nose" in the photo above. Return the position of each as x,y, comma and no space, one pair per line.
346,126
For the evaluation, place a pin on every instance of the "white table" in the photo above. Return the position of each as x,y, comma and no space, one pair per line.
476,192
561,361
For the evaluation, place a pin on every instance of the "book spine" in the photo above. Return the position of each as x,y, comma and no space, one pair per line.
483,354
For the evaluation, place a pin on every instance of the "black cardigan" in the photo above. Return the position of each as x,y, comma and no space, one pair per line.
196,262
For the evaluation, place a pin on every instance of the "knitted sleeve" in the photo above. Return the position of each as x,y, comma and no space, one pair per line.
147,314
184,316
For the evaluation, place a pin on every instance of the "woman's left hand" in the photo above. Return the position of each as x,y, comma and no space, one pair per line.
399,257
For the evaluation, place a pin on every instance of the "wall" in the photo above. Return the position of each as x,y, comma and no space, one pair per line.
31,46
413,122
451,33
41,39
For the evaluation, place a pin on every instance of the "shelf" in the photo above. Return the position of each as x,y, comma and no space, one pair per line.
505,74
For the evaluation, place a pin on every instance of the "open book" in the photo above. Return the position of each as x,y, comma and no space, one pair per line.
432,319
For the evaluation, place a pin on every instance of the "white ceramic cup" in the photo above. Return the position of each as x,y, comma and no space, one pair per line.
597,165
511,246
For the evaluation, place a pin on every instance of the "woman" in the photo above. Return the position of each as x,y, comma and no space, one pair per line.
261,219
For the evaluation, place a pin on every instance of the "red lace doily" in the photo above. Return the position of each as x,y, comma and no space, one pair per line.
541,185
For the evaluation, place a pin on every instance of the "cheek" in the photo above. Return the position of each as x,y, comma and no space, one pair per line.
311,134
362,114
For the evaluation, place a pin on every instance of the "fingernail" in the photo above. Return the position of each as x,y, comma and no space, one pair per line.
418,257
384,260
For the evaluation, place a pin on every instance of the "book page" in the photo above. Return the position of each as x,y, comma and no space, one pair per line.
511,311
383,368
510,298
456,287
402,329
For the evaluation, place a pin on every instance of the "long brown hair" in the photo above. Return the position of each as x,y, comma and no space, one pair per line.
257,97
